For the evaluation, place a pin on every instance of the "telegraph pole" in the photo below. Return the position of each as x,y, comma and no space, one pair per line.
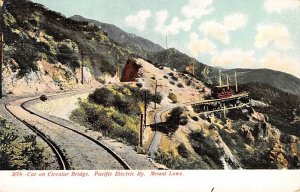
1,62
227,78
155,92
141,131
220,78
193,67
145,109
236,84
81,67
167,41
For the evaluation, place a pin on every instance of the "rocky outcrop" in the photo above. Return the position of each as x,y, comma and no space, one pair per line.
130,71
247,134
276,156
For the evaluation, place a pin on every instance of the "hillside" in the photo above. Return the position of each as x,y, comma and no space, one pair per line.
136,43
283,109
45,46
210,75
277,79
176,60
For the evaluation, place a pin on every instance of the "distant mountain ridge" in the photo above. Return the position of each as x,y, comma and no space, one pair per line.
280,80
122,37
210,75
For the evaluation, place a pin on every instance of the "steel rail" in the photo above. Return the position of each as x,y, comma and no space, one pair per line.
61,158
109,150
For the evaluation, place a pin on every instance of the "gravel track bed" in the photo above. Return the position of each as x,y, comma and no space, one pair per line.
53,106
81,152
22,130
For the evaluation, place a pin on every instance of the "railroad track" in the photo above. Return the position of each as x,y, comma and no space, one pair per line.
61,158
55,149
154,146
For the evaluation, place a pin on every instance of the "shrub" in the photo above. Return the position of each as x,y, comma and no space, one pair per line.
180,163
174,78
26,55
140,85
179,85
125,135
172,82
119,119
125,104
102,96
182,150
206,148
195,118
166,77
158,98
173,97
188,83
108,121
17,153
68,55
171,74
176,118
114,111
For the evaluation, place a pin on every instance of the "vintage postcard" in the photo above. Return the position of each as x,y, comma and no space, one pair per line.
140,95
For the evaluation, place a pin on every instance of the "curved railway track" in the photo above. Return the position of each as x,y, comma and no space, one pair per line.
154,146
61,158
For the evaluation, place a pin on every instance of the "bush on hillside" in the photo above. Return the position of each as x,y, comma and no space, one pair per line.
173,97
108,121
206,148
19,153
180,163
176,118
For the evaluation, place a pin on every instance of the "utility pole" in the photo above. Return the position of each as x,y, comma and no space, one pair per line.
236,84
145,110
224,110
141,131
1,62
155,92
81,67
227,78
167,41
220,78
193,67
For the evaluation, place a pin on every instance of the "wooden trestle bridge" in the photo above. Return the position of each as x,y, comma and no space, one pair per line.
220,105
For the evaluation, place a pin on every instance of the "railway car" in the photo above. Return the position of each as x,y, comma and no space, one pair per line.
221,92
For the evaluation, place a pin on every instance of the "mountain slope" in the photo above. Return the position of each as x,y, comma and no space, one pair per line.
210,75
136,43
283,109
277,79
33,33
175,59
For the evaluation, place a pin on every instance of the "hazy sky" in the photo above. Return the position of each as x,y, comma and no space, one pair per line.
225,33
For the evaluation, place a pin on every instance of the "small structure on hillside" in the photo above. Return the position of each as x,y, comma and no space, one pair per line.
131,71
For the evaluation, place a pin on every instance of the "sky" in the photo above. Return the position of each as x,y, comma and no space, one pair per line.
223,33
